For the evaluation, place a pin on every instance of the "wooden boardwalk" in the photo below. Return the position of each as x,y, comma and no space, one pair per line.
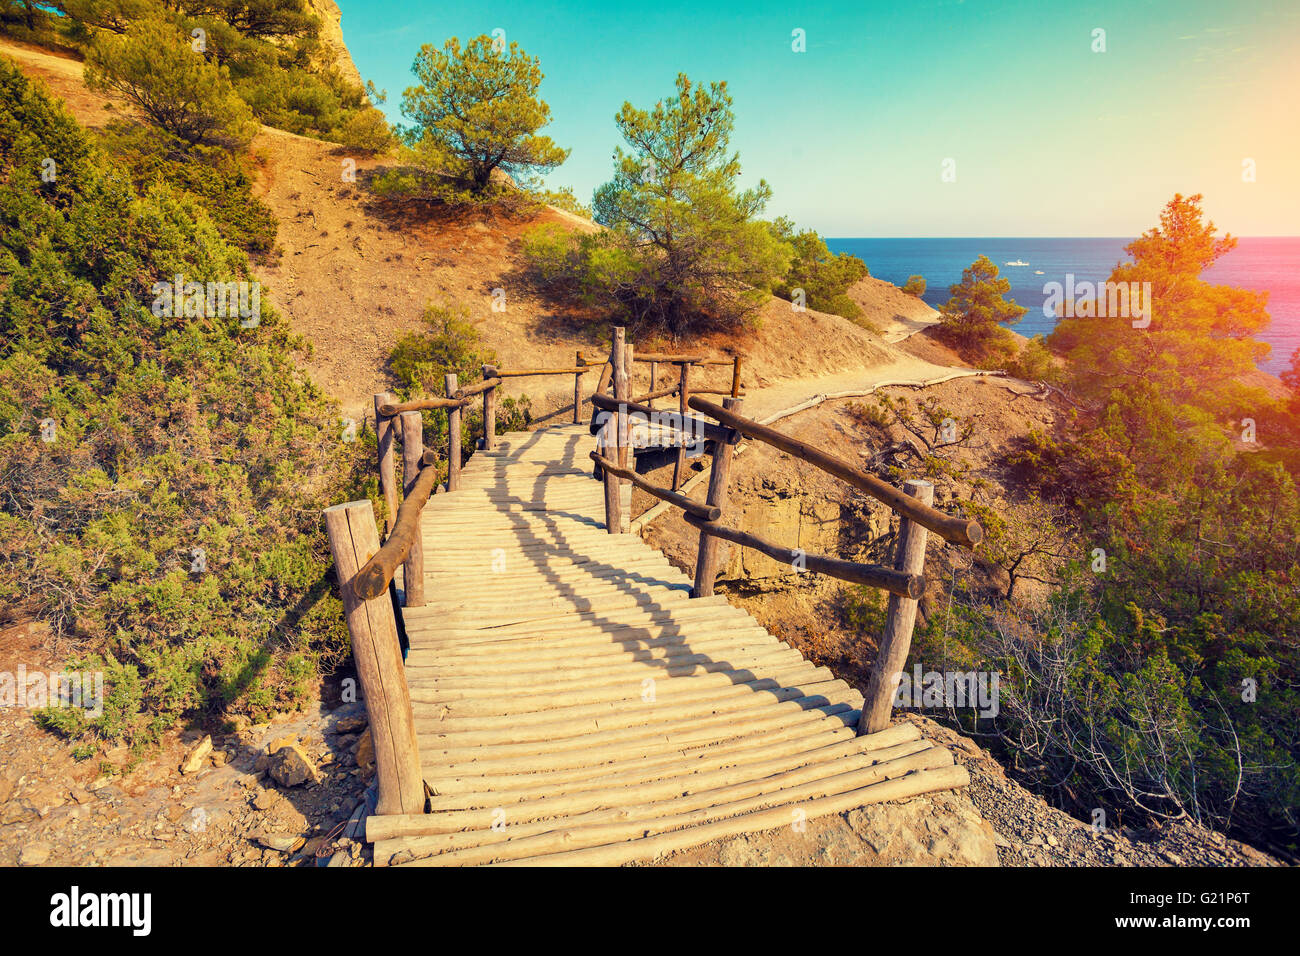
574,705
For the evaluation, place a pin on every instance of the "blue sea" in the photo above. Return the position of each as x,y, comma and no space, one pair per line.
1264,264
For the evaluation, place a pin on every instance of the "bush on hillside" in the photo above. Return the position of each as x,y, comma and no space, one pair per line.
164,461
450,344
1035,362
216,177
271,49
823,277
915,285
154,67
973,320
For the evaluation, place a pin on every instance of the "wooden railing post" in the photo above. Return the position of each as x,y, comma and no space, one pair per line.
683,397
899,620
706,561
386,432
489,411
735,377
624,423
613,431
453,435
577,387
412,453
375,649
654,377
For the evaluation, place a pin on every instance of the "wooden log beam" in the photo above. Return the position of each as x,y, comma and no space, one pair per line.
683,396
378,656
874,575
611,436
412,452
963,531
649,397
672,359
705,512
453,435
900,617
489,388
689,423
421,404
488,383
386,437
373,578
522,372
577,387
706,554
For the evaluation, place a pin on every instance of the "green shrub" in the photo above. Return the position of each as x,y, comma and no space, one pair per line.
973,320
451,344
154,67
915,285
823,278
175,436
1035,362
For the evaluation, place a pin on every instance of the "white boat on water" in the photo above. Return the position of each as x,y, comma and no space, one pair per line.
1038,272
1018,262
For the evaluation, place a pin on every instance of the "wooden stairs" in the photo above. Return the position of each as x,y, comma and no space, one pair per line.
573,705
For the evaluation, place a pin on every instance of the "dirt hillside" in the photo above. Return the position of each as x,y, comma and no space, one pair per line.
355,273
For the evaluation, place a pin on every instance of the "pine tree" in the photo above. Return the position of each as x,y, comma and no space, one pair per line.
476,110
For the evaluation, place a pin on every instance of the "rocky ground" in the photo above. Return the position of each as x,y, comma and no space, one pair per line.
993,822
278,794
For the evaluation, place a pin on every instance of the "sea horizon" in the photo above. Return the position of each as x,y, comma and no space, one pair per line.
1261,263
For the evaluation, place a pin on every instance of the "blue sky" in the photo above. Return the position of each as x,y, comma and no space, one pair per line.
1048,137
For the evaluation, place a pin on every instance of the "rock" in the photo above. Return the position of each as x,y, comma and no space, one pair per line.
280,842
921,832
350,725
219,758
197,758
364,752
35,854
80,795
289,766
266,800
12,812
1051,840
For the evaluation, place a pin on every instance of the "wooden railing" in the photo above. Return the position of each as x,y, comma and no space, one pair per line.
722,427
366,568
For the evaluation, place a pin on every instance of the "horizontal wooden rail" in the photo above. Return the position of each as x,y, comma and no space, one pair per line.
478,387
963,531
663,392
673,359
373,578
420,405
519,373
872,575
706,512
676,420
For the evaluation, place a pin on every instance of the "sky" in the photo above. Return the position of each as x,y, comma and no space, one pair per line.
1038,133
